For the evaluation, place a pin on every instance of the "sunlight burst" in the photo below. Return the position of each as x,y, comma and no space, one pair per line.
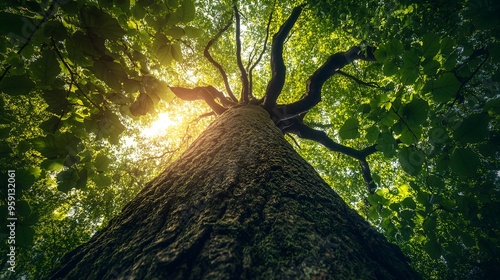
159,126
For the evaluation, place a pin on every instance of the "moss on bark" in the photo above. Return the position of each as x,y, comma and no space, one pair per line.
239,204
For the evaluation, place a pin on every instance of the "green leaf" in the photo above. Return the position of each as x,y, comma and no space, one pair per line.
46,68
57,101
430,45
409,203
175,32
372,134
411,63
193,32
176,52
430,66
24,236
187,11
386,144
444,88
473,129
415,112
101,23
433,248
350,129
411,160
101,163
389,68
12,25
16,85
102,180
464,162
55,30
142,106
66,180
110,72
51,125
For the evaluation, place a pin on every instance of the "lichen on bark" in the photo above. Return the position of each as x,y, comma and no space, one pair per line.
239,203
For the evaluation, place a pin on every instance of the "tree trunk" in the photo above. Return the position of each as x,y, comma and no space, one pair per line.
239,204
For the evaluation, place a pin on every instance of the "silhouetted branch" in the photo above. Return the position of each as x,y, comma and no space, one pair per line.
244,76
264,48
317,79
208,94
216,64
278,68
72,75
305,132
373,85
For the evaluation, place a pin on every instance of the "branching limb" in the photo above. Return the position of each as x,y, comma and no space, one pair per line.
216,64
264,48
245,88
371,84
208,94
318,78
305,132
278,68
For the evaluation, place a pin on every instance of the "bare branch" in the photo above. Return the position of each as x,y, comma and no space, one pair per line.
244,75
264,48
275,85
216,64
201,93
318,78
371,84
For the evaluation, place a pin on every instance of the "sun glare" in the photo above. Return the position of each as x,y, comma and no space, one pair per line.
159,126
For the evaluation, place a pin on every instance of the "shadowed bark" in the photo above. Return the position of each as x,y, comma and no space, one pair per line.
240,203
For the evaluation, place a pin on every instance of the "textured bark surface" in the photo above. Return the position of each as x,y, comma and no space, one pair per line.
239,204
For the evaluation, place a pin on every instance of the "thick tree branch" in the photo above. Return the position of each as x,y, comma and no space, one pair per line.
318,78
244,75
305,132
278,68
208,94
216,64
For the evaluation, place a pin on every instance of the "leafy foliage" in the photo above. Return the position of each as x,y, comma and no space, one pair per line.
81,80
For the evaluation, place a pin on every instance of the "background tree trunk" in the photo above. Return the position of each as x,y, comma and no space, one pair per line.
240,203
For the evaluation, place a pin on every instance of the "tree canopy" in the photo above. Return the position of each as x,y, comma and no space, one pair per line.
93,97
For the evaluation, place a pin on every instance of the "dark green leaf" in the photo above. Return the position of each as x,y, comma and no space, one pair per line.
110,72
66,180
430,45
473,129
350,129
433,248
464,162
444,88
16,85
409,203
386,144
411,160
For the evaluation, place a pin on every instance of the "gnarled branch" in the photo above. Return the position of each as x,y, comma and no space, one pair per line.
244,75
306,132
278,68
317,80
216,64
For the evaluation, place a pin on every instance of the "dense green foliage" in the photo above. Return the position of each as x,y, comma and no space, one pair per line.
82,80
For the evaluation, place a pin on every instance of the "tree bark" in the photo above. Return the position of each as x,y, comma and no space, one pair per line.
239,204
